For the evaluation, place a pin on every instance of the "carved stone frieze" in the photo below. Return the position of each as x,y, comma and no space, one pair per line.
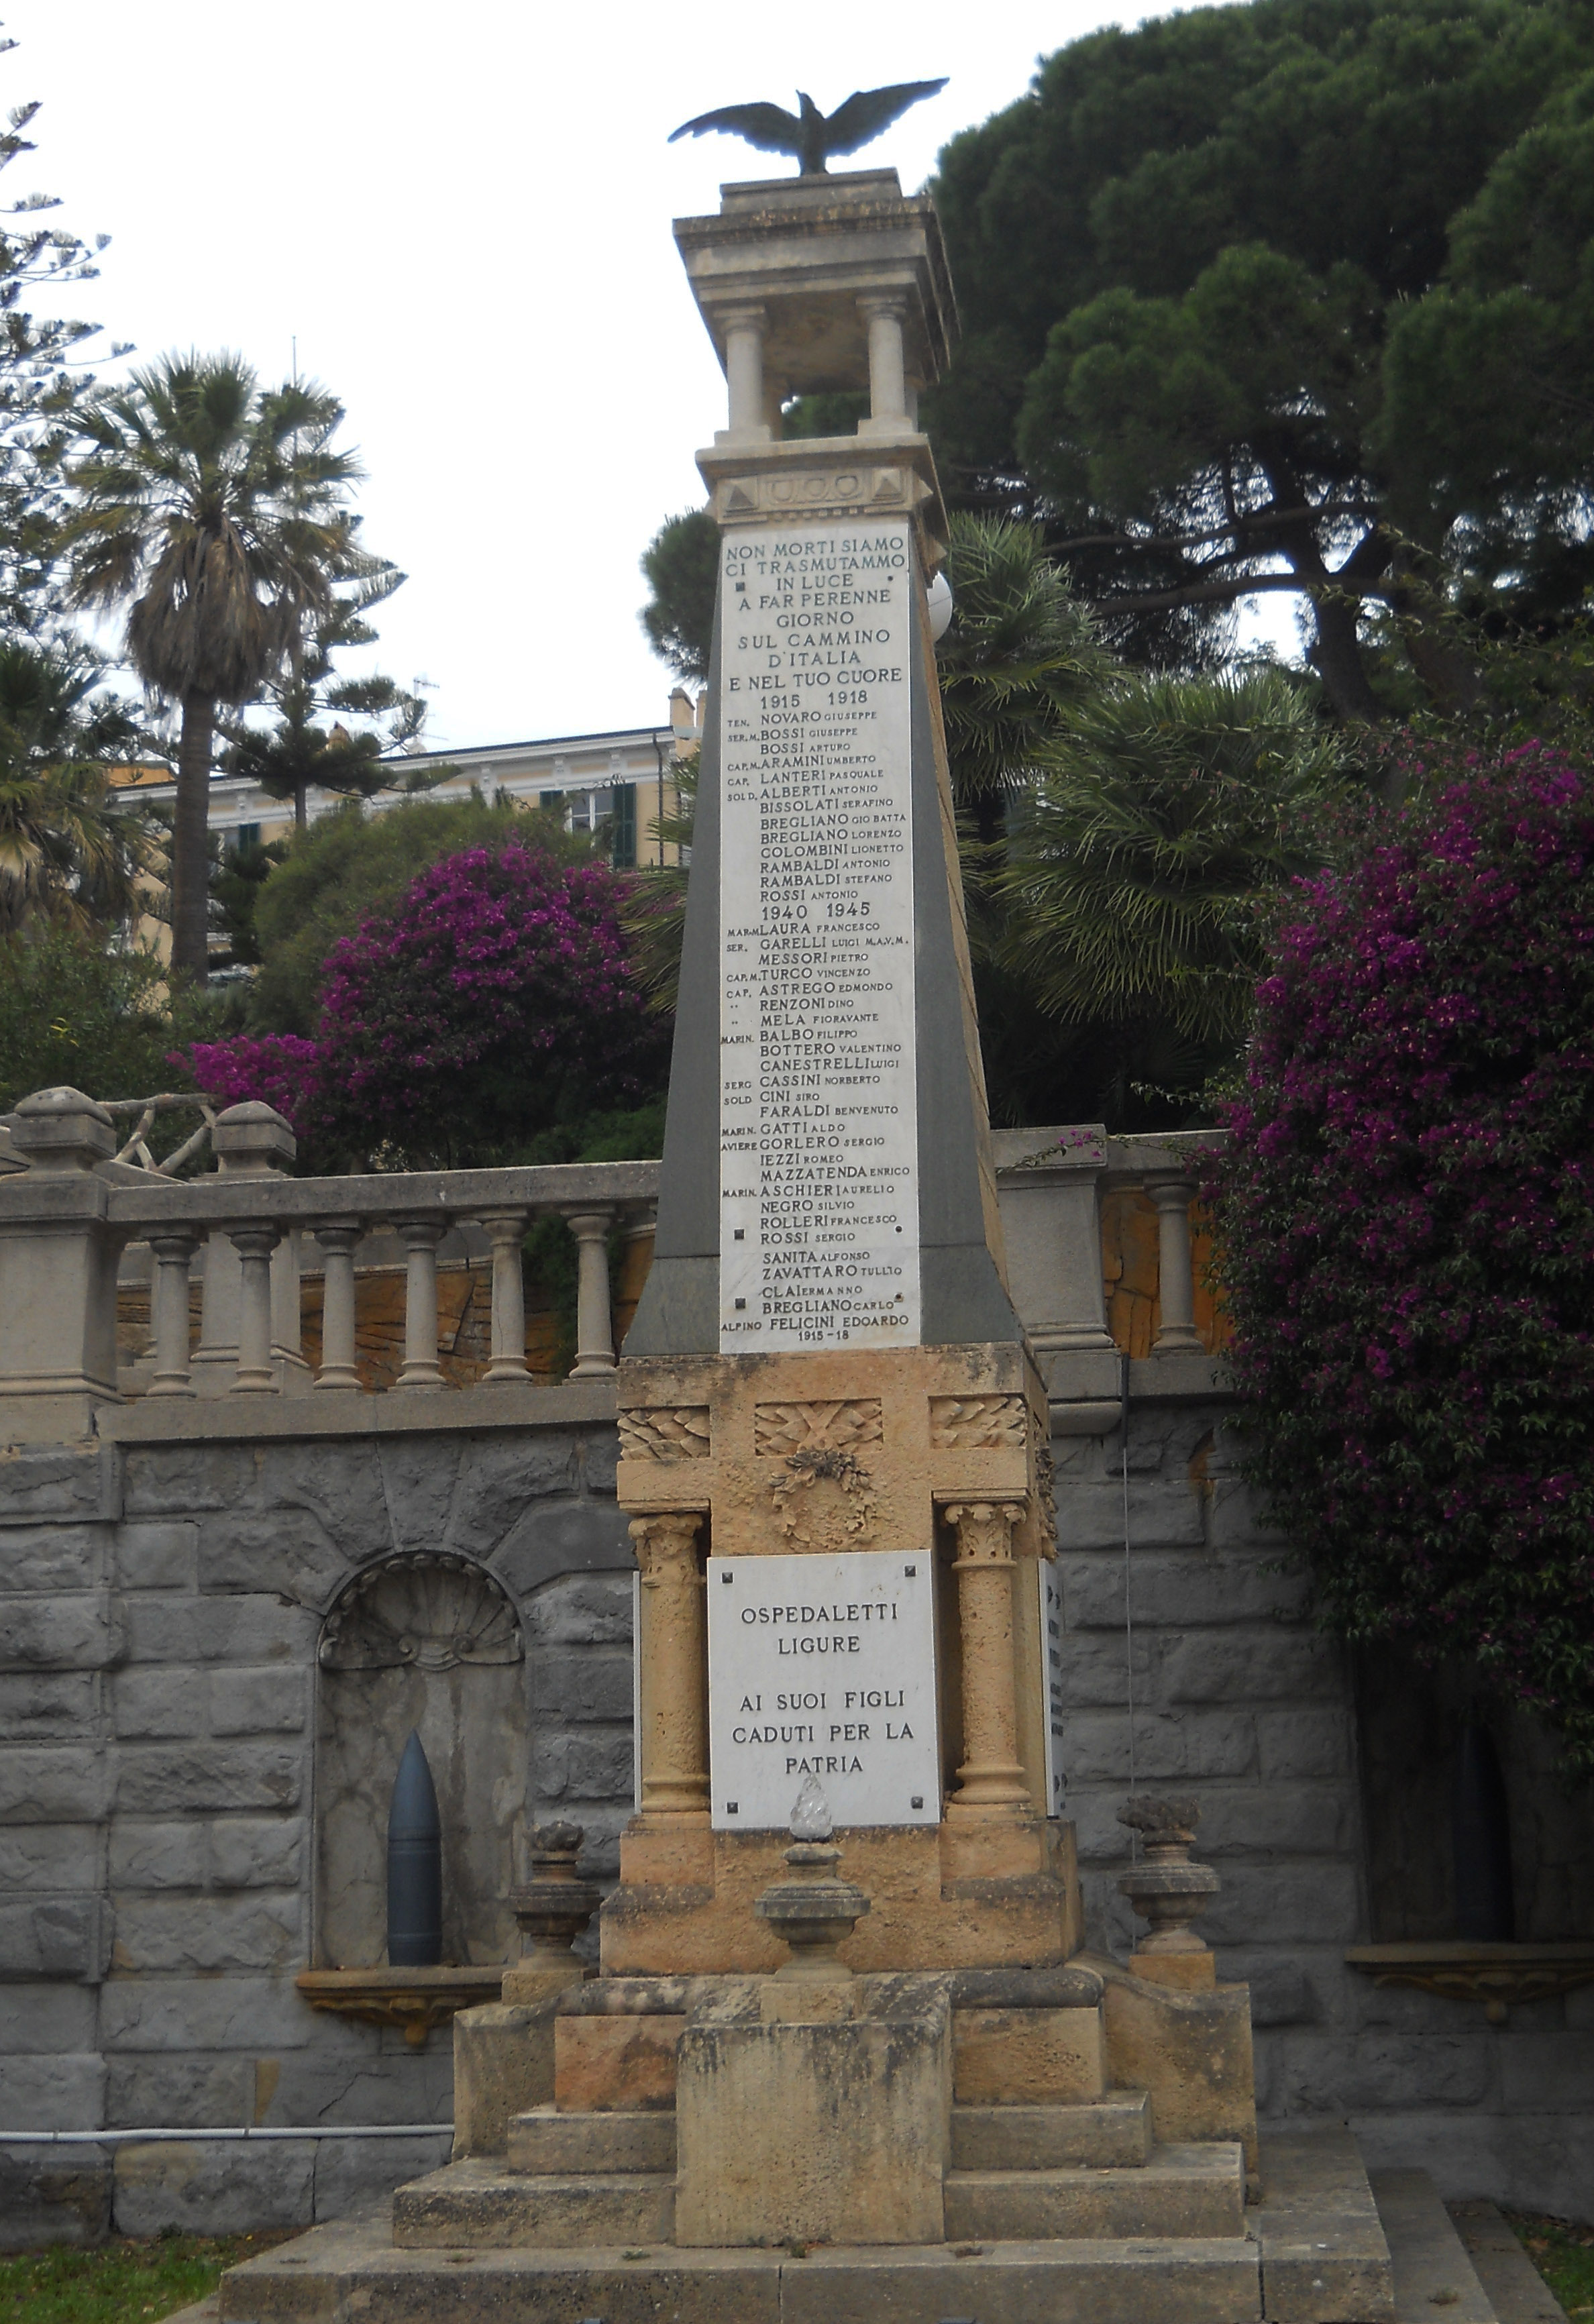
853,489
664,1433
978,1424
428,1613
1046,1493
781,1430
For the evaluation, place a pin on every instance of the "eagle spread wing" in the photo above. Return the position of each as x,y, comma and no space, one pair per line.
769,127
869,111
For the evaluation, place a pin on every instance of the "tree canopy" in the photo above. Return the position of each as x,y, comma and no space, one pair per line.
42,382
1292,295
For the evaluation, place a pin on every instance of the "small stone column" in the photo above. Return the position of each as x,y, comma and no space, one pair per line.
992,1779
595,1328
169,1315
339,1242
675,1678
884,311
507,1232
744,372
420,1367
1175,1265
256,1374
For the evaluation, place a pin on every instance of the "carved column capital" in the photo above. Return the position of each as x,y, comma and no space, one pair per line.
667,1544
984,1531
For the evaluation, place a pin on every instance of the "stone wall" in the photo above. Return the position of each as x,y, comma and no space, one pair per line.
160,1606
1240,1700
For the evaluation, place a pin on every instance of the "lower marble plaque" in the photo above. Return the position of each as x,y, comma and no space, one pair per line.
823,1667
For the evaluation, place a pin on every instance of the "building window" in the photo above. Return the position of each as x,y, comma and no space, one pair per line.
590,809
246,837
622,850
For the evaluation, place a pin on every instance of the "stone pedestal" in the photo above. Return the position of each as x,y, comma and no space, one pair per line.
816,2127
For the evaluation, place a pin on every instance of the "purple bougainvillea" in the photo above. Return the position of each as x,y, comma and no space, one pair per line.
495,1001
1407,1215
280,1069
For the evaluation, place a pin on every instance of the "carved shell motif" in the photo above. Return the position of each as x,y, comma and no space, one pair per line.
420,1613
781,1429
664,1433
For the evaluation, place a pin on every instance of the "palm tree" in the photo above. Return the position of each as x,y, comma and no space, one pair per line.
1171,811
69,851
1021,654
220,510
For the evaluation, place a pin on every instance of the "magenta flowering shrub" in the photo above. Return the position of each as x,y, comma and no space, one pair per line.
1407,1218
278,1069
495,1001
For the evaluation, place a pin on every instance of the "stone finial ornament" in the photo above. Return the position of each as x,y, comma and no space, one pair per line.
814,1911
553,1907
1166,1888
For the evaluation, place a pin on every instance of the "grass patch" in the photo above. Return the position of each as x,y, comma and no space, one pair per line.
134,2280
1563,2253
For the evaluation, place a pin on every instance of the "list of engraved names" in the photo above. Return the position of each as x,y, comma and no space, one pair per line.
819,1160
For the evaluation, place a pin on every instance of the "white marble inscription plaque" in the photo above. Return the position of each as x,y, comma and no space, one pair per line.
819,1151
822,1667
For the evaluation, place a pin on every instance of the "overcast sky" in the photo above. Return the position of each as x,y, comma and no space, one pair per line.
463,215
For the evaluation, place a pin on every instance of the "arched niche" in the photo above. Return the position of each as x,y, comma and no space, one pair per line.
431,1642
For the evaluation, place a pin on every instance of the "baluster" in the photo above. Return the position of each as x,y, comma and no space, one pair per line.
1176,1272
255,1245
507,1230
595,1324
170,1311
339,1242
422,1368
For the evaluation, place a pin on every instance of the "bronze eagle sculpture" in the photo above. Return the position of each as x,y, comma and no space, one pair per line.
812,136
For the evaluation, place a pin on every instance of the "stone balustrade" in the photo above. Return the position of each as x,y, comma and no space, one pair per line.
1098,1231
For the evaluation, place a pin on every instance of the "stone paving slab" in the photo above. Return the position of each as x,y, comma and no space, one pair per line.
1433,2276
1518,2292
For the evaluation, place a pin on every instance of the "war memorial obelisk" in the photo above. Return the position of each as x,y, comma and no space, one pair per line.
844,2059
825,1398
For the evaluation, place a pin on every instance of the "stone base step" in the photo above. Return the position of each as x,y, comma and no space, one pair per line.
350,2269
1098,2136
1182,2191
1514,2285
563,2144
1433,2271
1324,2253
479,2206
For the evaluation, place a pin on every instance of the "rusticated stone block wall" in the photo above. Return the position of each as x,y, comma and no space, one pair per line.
1241,1700
161,1607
